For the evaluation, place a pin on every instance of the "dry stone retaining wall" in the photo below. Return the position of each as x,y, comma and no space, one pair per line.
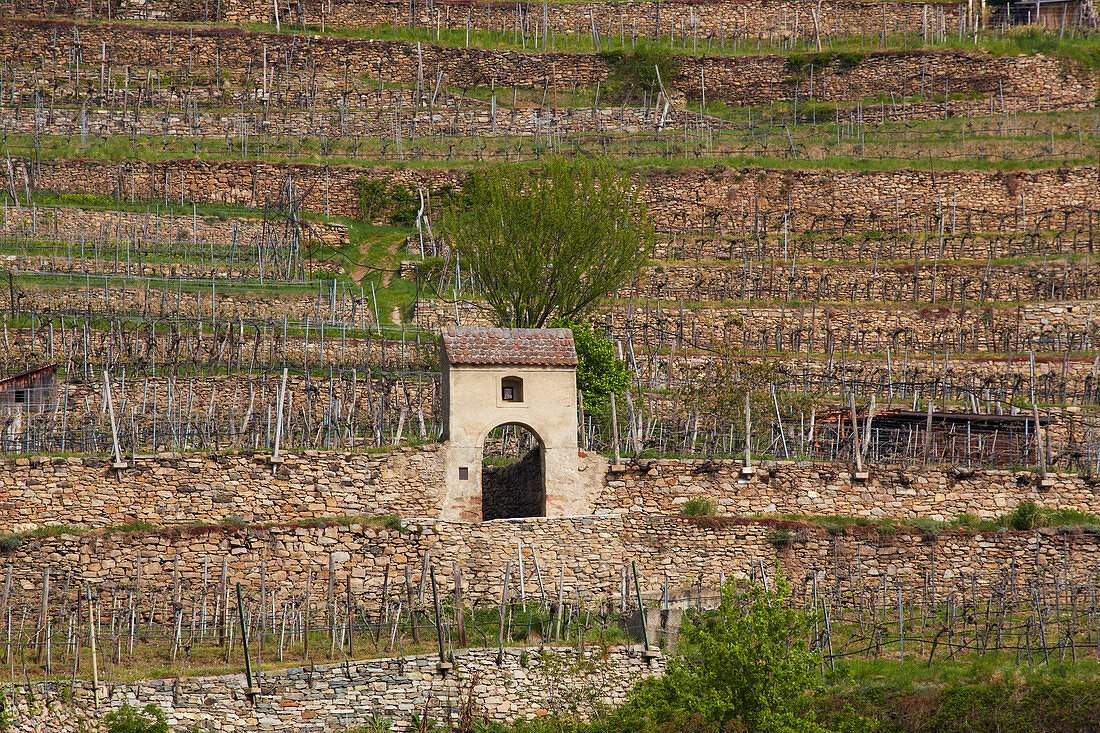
837,329
784,487
679,199
62,223
1020,83
775,281
184,488
173,488
592,550
726,18
329,697
471,117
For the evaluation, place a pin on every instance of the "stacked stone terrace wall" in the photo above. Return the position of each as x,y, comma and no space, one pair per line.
1070,380
473,117
130,344
328,697
62,223
363,106
56,88
24,41
1031,83
592,550
180,488
677,199
839,329
772,282
906,240
1023,83
932,492
168,303
727,18
173,488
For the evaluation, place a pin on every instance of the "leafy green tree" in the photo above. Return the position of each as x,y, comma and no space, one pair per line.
746,662
549,242
599,372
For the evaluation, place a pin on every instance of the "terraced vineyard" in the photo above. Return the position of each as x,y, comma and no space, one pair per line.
888,199
222,233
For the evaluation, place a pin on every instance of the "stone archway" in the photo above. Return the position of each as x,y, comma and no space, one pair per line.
513,473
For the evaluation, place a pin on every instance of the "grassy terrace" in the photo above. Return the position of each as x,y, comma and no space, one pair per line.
865,150
1078,44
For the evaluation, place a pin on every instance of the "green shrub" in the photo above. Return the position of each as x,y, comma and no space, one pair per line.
797,63
698,507
781,538
1024,516
927,527
376,197
635,70
9,543
127,719
849,59
372,198
966,520
392,522
406,205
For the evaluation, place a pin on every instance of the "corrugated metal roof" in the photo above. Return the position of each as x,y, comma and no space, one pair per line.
527,346
27,373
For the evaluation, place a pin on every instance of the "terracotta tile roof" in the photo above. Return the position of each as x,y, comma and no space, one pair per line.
532,346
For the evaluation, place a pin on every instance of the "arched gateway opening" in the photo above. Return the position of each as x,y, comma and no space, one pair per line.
513,473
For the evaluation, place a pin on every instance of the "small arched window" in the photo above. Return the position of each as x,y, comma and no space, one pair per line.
511,389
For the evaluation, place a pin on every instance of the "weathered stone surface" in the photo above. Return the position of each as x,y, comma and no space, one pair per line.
340,696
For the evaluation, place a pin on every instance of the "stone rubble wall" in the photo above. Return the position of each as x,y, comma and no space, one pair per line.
175,488
170,488
836,329
130,345
778,281
1072,381
473,118
860,328
913,240
678,199
64,223
592,551
1020,83
62,102
709,19
662,486
327,697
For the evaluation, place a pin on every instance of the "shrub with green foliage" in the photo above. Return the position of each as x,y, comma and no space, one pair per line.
377,197
600,373
128,527
1024,516
128,719
698,507
9,543
780,538
1032,40
849,59
746,664
635,70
